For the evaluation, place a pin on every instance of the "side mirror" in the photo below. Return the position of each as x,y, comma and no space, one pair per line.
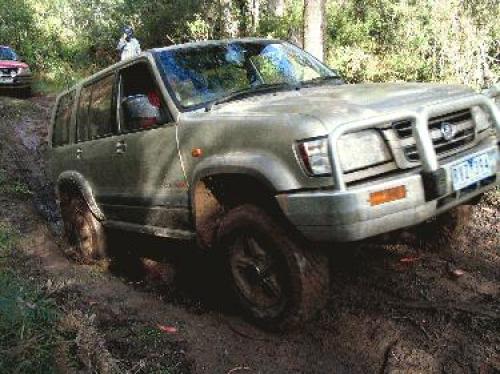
493,91
140,113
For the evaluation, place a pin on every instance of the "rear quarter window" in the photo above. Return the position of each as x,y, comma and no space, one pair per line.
96,114
62,121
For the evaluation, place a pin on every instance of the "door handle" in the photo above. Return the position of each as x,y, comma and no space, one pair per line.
79,153
121,147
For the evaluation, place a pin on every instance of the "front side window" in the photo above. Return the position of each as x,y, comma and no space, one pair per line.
96,117
63,120
198,75
141,103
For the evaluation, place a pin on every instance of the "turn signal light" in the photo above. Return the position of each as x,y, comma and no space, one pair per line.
196,152
388,195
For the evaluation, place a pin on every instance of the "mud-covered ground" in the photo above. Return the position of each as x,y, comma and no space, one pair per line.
156,308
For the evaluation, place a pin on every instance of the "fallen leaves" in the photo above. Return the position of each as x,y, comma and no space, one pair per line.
409,259
167,329
238,368
457,273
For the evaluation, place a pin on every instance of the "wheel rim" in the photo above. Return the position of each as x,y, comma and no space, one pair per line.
257,273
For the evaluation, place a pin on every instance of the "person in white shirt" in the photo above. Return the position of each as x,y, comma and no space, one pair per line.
128,46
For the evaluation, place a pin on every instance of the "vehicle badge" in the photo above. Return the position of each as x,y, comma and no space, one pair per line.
448,131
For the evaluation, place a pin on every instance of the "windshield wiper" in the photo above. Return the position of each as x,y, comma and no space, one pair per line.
263,88
327,78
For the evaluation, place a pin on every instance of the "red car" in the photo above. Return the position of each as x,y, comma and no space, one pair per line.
14,74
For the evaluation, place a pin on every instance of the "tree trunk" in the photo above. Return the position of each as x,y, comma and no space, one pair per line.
249,17
255,10
314,25
277,8
228,21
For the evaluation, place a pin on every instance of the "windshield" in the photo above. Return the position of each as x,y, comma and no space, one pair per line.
7,54
199,75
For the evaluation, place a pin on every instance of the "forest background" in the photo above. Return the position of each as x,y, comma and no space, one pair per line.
371,40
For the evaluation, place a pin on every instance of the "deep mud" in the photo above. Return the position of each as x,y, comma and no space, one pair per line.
157,303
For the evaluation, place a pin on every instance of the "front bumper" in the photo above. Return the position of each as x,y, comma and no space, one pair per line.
20,81
346,215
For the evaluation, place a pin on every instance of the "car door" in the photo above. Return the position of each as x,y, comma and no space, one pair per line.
154,189
95,151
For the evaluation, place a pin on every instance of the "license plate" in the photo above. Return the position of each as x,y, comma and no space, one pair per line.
6,80
471,171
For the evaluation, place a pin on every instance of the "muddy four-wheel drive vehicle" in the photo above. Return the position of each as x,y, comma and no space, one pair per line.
258,151
14,73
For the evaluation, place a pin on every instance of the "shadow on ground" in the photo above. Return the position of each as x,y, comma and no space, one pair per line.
179,271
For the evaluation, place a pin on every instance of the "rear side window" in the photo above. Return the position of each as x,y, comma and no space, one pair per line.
96,110
83,114
62,120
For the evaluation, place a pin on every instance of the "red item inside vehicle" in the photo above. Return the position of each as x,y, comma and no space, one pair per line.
154,99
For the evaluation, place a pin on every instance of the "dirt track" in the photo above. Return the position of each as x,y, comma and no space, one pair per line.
392,309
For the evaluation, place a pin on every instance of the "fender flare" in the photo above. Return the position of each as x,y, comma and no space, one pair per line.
76,180
265,169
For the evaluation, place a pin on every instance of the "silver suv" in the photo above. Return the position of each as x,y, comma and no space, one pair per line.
257,151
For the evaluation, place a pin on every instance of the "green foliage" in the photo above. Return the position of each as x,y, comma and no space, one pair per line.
65,40
198,28
13,186
27,317
372,40
289,26
438,40
7,239
17,25
27,336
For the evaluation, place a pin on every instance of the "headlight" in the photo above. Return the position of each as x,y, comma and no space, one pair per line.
359,150
315,156
24,71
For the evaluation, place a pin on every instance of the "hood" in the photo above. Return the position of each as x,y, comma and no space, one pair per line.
12,64
339,104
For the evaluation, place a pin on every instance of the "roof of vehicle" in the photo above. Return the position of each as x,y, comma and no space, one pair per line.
103,72
206,43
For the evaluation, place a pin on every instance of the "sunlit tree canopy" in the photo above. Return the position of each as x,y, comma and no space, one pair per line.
374,40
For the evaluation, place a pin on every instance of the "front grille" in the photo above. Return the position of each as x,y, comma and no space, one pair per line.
462,123
7,71
402,128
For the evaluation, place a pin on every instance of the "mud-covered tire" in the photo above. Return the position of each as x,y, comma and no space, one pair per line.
291,282
442,233
84,232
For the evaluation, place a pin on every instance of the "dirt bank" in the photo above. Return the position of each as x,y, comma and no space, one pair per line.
392,309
